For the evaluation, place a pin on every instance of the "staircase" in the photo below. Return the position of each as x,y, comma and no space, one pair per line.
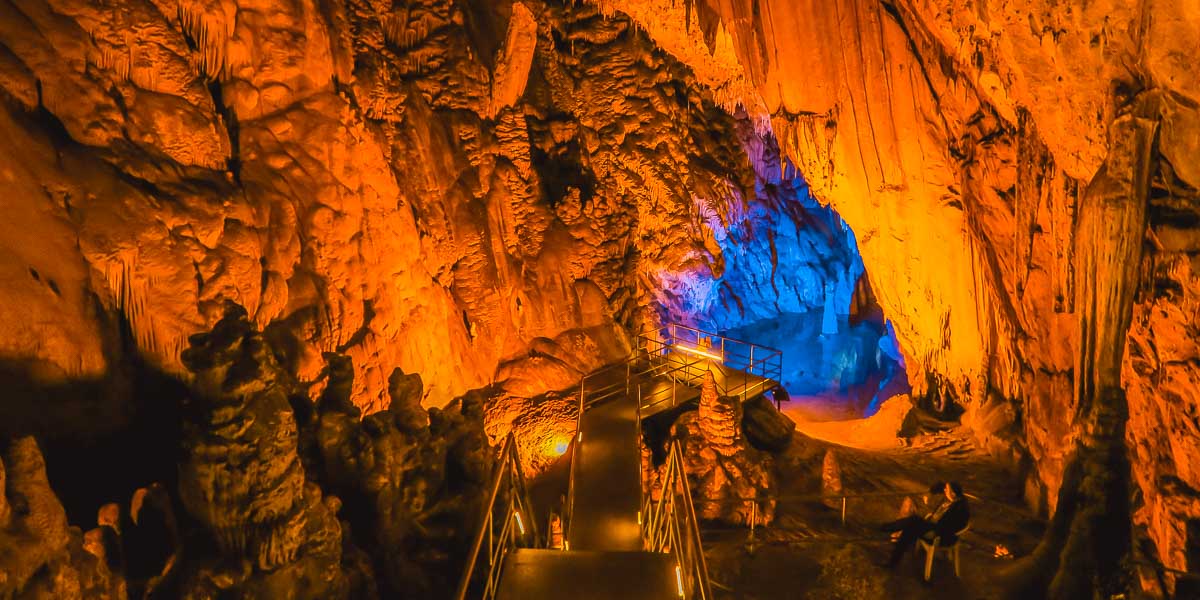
619,541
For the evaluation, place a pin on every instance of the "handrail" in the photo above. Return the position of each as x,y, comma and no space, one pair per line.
693,370
515,502
641,365
755,501
717,335
768,364
670,526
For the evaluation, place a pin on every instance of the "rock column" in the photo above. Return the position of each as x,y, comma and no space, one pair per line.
720,418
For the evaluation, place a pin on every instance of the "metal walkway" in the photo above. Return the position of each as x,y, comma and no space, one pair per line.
608,480
620,543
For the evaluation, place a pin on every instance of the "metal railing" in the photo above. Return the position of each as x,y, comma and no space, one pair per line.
831,500
507,519
669,525
1165,577
731,354
739,369
610,383
664,356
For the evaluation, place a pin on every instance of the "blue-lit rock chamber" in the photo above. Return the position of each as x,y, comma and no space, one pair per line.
789,276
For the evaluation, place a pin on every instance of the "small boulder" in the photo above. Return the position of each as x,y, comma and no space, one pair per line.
765,427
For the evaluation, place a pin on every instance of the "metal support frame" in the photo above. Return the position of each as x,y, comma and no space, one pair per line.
509,500
670,526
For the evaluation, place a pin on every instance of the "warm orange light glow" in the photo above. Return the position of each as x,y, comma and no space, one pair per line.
558,446
698,352
679,579
520,525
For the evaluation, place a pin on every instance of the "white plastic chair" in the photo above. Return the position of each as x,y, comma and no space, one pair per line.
931,547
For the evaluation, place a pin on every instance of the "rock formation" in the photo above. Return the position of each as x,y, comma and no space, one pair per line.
958,141
431,187
412,480
440,186
724,470
765,427
261,464
40,555
242,478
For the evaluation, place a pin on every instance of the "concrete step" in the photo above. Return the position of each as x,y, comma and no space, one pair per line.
582,575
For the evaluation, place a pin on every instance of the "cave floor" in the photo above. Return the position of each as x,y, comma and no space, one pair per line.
809,553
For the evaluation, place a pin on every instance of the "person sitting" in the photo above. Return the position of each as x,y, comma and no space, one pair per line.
950,517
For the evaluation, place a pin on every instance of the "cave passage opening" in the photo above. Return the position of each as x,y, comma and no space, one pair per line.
793,279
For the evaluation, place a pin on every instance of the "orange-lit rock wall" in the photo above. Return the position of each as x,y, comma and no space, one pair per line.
471,190
434,187
955,138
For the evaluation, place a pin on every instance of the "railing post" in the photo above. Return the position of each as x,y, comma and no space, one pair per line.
753,518
843,510
752,359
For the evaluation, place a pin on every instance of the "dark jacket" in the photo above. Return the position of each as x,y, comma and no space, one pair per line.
953,520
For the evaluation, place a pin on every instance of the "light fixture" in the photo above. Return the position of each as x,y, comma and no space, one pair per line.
698,352
679,579
559,446
520,525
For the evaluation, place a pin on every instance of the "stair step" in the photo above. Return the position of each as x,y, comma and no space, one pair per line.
585,575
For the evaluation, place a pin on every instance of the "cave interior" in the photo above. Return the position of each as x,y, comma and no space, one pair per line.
615,298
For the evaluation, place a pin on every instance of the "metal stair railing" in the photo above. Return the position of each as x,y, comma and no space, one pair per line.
687,360
669,525
507,519
591,393
688,372
664,355
763,361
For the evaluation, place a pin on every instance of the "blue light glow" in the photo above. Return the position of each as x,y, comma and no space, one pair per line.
790,268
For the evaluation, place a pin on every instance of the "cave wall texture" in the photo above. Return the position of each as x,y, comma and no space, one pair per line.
957,139
445,186
432,186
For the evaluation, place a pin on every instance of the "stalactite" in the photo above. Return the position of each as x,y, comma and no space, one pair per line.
211,34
